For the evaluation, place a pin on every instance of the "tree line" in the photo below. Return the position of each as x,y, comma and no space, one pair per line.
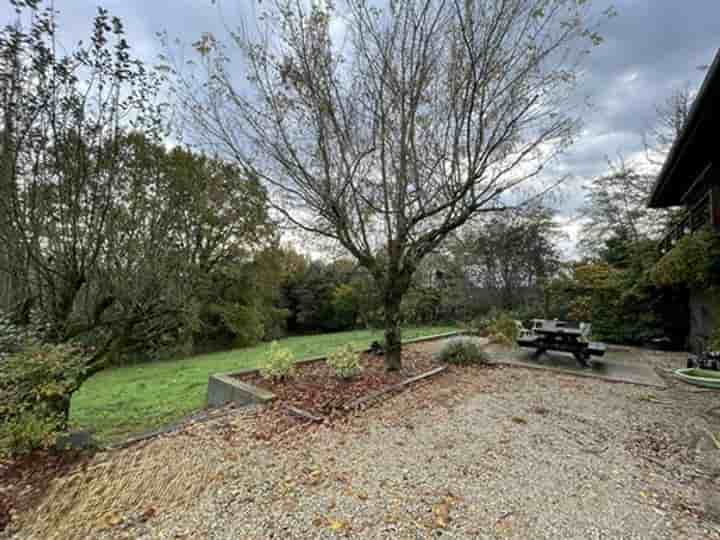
390,136
631,291
126,238
113,237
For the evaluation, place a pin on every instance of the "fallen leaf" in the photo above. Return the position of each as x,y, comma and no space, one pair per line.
442,514
113,519
149,513
289,506
337,525
314,478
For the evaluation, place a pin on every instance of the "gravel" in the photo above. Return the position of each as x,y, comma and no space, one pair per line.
477,453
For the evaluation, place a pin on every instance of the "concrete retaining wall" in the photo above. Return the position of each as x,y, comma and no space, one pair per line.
225,388
222,389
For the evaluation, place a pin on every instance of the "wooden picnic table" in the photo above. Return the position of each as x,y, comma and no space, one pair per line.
563,337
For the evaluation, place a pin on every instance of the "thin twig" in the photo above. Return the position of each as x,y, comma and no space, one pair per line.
303,414
503,517
713,438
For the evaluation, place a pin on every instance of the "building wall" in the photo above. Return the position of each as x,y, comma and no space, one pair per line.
702,315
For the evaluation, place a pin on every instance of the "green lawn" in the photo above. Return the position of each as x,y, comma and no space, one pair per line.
121,401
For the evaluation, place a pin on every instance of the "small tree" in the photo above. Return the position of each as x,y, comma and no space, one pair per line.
384,130
62,122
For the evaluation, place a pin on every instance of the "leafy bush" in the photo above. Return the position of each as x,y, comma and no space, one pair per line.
36,385
690,262
478,326
41,378
502,329
637,298
28,431
462,351
280,363
580,308
345,362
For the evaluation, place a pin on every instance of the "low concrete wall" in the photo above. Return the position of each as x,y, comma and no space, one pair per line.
225,388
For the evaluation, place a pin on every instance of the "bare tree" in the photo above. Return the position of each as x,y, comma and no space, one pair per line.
616,202
671,116
385,129
616,207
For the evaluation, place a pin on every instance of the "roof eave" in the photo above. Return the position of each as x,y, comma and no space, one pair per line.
676,151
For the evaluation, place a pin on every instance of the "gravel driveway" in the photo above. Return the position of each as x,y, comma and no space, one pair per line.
477,453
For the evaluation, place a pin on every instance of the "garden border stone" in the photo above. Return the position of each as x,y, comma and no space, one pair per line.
224,388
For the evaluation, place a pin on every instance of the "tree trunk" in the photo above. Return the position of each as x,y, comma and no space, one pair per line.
393,333
64,294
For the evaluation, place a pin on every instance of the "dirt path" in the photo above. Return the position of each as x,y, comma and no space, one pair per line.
478,453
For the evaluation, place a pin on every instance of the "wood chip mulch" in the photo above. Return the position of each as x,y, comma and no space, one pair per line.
23,481
5,506
316,390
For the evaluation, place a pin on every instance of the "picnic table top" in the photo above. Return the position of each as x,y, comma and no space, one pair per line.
559,330
593,347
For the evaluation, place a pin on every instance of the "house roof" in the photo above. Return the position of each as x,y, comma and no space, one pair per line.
692,151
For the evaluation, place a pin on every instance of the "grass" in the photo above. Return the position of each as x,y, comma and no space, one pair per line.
122,401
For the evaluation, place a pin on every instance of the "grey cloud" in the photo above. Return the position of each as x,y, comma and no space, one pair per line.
651,48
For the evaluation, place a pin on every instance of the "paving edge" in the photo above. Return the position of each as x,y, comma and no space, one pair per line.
200,417
224,388
572,373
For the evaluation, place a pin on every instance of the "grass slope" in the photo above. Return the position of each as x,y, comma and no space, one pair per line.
132,399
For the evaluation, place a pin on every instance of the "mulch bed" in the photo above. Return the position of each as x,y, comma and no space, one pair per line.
23,481
4,511
316,389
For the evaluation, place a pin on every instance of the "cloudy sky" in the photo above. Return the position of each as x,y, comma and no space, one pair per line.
651,48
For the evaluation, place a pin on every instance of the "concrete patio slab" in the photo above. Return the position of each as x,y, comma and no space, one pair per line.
610,368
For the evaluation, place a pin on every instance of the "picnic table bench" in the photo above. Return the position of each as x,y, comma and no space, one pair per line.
560,336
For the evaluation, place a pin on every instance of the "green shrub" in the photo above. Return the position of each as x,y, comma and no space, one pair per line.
28,431
580,308
502,329
280,363
691,261
345,362
462,351
478,326
36,385
41,378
